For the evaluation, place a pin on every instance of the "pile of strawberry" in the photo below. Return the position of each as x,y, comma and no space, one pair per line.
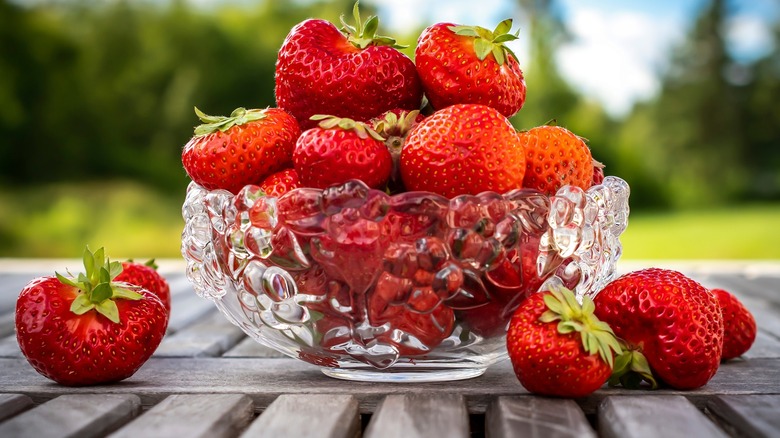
94,327
647,328
350,105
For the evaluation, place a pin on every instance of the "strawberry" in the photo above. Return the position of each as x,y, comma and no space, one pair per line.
558,347
88,329
231,152
470,64
417,319
555,157
394,126
356,74
281,182
463,149
146,276
672,327
739,325
339,150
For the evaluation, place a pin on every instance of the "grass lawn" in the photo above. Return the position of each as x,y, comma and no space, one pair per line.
739,232
133,221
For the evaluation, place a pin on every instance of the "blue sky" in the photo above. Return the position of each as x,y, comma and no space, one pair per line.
619,46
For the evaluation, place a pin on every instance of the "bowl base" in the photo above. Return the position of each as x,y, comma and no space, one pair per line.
404,375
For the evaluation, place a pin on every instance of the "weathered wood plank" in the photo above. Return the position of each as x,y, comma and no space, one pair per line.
9,347
186,309
765,346
654,416
209,337
308,416
12,404
7,323
538,417
10,287
203,415
248,347
764,289
751,415
265,379
82,416
420,416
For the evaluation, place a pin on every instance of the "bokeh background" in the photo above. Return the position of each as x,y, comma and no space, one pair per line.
681,98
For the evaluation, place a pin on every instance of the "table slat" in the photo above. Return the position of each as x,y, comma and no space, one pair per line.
248,347
265,379
9,347
12,404
536,417
308,416
420,416
654,416
209,337
765,346
751,415
192,416
82,416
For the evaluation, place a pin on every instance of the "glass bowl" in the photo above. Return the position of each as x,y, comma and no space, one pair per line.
406,287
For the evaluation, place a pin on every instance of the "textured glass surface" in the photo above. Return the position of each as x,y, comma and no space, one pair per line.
403,287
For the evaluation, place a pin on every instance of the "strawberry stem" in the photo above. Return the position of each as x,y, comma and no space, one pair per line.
332,122
96,288
573,317
364,34
488,42
239,116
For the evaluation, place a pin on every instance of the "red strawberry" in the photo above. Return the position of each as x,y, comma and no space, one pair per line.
555,157
231,152
89,329
418,320
463,149
672,325
339,150
357,75
739,325
281,182
470,64
395,126
146,276
559,348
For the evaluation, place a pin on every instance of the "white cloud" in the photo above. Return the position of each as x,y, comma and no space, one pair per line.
615,55
749,37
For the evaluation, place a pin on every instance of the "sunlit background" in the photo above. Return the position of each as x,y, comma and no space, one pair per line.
679,98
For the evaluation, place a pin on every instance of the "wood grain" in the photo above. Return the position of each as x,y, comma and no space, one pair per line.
265,379
751,415
654,416
536,417
209,337
12,404
82,416
420,416
192,416
308,416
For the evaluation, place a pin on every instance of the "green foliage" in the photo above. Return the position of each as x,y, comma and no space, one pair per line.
93,90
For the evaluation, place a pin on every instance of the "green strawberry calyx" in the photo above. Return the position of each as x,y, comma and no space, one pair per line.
96,289
487,41
332,122
573,317
364,33
631,369
238,117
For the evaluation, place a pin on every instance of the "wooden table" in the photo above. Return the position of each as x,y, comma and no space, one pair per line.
207,379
